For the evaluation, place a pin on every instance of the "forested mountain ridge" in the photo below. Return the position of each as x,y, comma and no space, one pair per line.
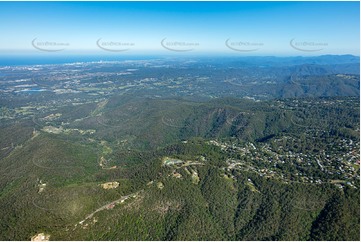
224,169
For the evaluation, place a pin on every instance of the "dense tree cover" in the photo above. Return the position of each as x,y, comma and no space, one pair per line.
336,219
219,204
218,208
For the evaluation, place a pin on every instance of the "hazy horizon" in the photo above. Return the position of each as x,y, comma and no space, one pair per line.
182,28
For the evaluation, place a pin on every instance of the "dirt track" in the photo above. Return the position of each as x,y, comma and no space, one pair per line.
123,198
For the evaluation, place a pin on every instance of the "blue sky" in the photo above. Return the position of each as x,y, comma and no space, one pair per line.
252,28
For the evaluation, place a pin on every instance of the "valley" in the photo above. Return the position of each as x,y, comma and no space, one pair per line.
173,150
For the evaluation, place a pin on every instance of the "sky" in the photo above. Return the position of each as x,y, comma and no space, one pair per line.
234,28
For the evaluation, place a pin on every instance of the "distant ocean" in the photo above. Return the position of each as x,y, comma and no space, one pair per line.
23,60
